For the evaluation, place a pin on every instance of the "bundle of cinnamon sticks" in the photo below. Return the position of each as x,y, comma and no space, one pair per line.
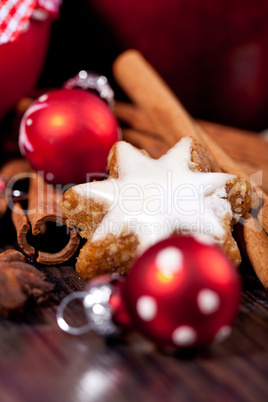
157,120
42,209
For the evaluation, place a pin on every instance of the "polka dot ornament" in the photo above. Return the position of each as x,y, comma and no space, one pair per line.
182,292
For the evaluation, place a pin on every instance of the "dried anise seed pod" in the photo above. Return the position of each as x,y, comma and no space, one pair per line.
19,281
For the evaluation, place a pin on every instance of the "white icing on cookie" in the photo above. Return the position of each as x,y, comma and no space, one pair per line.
154,198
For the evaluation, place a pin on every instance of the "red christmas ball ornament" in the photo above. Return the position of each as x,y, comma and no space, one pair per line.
182,292
67,135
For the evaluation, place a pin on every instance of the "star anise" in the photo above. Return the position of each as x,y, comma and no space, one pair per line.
19,281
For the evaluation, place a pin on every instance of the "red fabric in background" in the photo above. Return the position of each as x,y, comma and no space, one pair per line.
214,54
23,45
14,15
21,63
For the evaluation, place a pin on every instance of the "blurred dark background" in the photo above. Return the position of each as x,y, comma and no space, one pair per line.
213,54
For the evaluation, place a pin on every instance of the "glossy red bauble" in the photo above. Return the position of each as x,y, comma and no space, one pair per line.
67,135
182,293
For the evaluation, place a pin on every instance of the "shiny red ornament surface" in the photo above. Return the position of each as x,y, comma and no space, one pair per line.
67,135
182,293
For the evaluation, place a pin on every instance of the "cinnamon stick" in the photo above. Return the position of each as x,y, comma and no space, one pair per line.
248,149
7,172
152,145
43,207
258,249
135,118
3,204
150,93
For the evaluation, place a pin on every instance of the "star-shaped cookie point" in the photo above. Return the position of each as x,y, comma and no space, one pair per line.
145,200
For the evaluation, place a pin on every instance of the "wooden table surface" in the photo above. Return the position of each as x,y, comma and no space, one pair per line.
41,363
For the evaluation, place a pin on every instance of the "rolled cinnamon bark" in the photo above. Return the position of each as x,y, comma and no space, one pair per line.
7,172
152,145
43,207
257,248
135,117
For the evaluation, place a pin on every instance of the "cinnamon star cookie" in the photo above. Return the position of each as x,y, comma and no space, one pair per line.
146,200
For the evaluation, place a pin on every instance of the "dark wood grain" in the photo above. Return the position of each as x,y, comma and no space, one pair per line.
41,363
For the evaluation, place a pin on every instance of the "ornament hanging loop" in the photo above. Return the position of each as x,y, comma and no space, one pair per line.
60,313
96,307
88,80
